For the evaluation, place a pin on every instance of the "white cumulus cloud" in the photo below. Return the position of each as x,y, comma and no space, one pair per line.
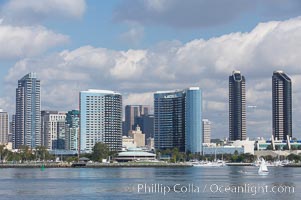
26,41
172,65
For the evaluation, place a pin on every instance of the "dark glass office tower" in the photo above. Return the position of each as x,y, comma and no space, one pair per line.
178,120
132,112
282,105
237,106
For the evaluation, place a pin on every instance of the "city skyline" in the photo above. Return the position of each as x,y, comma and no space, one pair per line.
99,45
145,109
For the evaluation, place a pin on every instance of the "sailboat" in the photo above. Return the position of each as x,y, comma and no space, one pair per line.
263,170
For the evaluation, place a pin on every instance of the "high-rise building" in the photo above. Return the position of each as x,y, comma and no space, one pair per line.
237,106
53,129
138,136
28,112
282,105
177,122
72,130
4,127
13,130
146,124
100,119
131,114
206,131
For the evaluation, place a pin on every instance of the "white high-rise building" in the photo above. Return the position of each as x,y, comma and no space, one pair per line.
100,119
3,127
206,131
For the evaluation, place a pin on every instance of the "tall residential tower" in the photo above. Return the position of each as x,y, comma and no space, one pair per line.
282,105
100,119
28,112
206,131
237,106
4,126
53,129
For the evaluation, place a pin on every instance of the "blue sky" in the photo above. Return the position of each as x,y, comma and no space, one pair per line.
137,47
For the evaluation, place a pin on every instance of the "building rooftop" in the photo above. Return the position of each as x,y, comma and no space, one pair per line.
279,71
136,153
30,75
96,91
177,90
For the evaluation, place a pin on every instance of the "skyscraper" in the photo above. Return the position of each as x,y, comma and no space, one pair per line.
53,129
100,119
282,105
237,106
13,129
3,127
28,112
131,114
178,120
146,123
72,130
206,131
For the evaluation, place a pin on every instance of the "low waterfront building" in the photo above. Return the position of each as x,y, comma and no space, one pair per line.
247,144
219,150
135,154
241,146
275,144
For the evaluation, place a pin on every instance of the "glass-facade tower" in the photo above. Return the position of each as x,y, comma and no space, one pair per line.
28,112
237,106
72,130
132,112
282,105
177,120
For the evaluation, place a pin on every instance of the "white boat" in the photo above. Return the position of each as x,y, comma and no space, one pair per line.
263,170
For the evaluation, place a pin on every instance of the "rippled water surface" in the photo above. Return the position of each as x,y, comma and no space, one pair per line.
150,183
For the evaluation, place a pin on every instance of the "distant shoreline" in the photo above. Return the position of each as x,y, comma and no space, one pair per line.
89,165
115,165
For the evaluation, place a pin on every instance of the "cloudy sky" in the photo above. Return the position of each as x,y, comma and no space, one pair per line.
137,47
